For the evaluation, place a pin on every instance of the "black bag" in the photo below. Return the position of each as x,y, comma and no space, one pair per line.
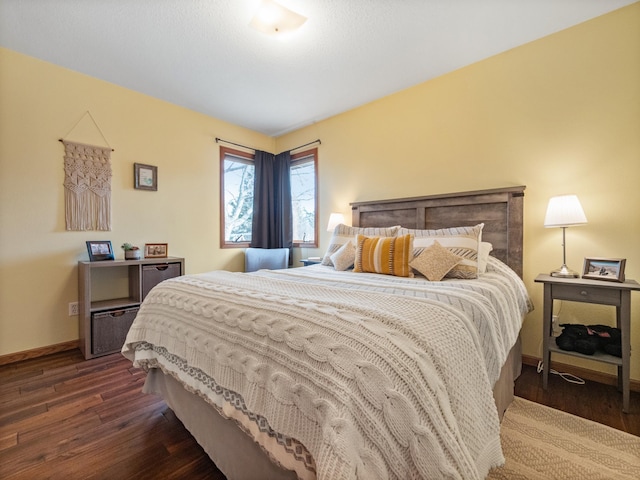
588,339
610,339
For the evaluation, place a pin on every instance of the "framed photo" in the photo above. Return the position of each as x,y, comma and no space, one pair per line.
100,250
155,250
145,177
611,269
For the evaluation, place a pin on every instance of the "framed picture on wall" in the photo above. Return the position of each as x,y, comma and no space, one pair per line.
611,269
100,250
145,177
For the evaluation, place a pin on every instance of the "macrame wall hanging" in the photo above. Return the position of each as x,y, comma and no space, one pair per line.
87,185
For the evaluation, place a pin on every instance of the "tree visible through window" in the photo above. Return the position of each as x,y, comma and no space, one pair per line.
237,202
304,198
237,184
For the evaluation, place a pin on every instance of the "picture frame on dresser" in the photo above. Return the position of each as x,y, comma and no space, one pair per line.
100,250
609,269
156,250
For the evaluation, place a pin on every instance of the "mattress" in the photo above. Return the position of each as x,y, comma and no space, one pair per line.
360,375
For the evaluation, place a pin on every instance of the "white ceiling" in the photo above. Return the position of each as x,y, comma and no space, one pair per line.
202,55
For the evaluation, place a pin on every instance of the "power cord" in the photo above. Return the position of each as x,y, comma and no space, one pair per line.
568,377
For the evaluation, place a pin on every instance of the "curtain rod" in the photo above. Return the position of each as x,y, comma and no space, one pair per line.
218,140
306,145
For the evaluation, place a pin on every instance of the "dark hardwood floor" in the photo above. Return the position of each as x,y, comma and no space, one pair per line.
63,417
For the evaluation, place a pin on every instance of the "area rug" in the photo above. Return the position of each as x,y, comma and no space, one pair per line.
543,443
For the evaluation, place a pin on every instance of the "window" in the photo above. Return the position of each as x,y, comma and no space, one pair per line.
236,187
304,198
236,178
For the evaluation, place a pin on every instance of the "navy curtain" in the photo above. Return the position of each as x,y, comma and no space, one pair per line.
272,221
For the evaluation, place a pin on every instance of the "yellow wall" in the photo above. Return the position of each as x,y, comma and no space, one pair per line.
559,115
40,103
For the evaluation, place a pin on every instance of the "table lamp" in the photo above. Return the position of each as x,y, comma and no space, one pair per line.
335,219
564,211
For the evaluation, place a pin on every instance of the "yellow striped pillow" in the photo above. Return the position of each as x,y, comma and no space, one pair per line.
387,255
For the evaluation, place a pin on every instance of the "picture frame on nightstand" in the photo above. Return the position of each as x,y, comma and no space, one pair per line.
100,250
609,269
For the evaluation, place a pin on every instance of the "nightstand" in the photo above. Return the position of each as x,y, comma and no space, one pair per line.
589,291
310,261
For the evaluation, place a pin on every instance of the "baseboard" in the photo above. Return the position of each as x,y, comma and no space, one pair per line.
38,352
584,373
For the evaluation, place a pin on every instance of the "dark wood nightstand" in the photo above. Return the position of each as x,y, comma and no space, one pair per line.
589,291
308,261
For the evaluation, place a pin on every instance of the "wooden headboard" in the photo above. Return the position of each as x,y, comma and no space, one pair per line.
500,209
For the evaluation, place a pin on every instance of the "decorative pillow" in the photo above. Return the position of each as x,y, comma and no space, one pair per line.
387,255
435,262
344,257
462,241
343,233
483,256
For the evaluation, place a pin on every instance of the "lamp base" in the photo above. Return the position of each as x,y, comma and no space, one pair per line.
564,272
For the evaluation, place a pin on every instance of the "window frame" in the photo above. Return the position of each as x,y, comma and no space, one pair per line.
302,157
248,158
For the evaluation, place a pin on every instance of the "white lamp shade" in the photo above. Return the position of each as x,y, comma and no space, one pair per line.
564,211
335,219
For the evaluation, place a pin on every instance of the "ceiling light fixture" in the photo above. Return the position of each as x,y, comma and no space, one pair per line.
273,19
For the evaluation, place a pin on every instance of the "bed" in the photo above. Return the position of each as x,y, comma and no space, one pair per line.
319,373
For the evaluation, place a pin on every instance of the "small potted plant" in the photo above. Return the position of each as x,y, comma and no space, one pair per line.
131,252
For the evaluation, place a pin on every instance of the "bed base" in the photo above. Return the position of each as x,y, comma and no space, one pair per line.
237,455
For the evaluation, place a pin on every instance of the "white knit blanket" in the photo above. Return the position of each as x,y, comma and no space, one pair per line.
378,377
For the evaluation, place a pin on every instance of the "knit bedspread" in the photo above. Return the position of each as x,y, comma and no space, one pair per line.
379,377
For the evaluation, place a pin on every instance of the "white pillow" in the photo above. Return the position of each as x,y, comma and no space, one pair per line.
483,256
345,257
462,241
343,233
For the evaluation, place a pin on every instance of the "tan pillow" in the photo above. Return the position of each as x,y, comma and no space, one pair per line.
343,233
390,256
462,241
345,256
435,262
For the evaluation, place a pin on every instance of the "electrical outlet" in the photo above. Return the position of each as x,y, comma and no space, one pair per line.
74,309
555,325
